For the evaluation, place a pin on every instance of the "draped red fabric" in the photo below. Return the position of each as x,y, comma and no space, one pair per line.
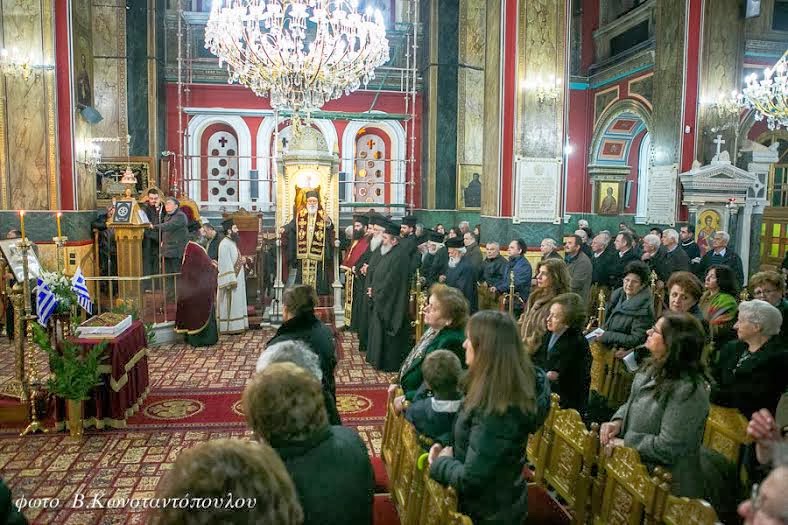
196,290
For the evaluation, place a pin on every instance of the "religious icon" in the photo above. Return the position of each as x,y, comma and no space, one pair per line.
469,187
84,91
708,224
15,261
608,198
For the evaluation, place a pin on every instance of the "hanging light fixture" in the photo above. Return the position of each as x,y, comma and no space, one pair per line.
298,53
768,96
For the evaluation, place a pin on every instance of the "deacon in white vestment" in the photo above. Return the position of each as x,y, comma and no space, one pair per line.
231,295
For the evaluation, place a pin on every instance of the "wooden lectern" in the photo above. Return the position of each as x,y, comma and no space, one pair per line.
129,223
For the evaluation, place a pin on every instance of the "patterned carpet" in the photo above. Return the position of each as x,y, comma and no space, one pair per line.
194,398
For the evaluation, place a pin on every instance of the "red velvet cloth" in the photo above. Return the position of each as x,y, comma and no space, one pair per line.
107,407
196,290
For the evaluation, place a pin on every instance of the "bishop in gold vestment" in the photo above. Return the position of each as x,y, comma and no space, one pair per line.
310,237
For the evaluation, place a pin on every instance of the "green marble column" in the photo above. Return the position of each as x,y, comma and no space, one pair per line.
441,22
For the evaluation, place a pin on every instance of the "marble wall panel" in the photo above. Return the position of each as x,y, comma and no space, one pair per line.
109,81
541,41
27,129
720,72
472,32
668,78
471,116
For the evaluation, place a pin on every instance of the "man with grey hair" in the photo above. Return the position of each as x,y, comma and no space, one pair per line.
655,255
549,249
493,271
174,230
768,503
464,226
677,259
721,254
602,261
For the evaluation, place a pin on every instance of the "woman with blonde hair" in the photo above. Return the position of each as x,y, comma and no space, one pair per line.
506,399
552,279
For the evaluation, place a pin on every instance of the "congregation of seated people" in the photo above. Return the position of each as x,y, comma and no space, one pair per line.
475,385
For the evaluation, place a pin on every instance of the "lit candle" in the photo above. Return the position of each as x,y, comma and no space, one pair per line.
59,234
22,222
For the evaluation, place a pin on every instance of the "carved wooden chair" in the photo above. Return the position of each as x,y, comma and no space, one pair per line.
407,487
620,382
392,428
602,361
438,503
537,447
624,492
726,433
673,510
455,518
573,453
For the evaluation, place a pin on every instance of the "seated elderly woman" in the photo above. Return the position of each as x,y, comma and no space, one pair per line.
750,374
251,473
770,287
565,354
445,316
630,311
300,324
665,415
329,465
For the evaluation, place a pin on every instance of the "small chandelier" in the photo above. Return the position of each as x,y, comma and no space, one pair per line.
767,96
298,53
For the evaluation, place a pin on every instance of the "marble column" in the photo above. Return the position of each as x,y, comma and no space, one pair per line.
668,81
723,41
756,221
439,176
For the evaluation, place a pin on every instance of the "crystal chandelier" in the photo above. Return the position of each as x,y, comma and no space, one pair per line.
298,53
767,96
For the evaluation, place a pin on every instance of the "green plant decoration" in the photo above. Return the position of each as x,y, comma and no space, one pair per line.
125,309
74,374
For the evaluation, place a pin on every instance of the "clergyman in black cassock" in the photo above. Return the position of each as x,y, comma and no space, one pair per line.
389,324
462,275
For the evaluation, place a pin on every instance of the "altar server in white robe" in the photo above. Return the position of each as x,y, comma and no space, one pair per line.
231,295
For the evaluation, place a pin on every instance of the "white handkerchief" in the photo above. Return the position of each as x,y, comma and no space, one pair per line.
591,336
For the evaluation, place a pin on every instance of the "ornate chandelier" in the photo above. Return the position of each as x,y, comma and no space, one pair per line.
298,53
768,96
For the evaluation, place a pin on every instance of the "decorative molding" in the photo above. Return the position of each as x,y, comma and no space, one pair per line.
633,92
606,102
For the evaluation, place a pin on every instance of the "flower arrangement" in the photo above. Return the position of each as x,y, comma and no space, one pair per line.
60,285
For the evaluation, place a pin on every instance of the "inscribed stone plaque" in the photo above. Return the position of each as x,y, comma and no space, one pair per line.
537,190
661,207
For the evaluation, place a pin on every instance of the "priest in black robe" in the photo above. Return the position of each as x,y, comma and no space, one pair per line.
460,273
366,267
388,290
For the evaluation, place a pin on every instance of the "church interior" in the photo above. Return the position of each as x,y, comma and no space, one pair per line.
195,193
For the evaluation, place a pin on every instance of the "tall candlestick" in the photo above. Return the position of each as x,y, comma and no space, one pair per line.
22,222
59,234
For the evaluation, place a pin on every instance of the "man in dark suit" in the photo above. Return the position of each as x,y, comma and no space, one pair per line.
602,261
677,258
626,254
474,253
688,244
720,254
656,256
174,234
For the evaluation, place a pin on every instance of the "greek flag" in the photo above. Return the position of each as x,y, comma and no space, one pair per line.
80,288
46,302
